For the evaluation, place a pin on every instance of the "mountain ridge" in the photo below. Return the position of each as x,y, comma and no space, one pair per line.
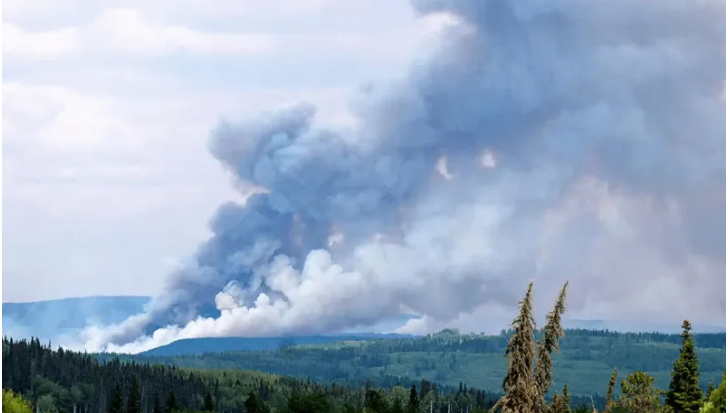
202,345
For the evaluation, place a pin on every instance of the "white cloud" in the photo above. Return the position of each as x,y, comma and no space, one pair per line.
56,118
126,31
50,10
41,46
131,31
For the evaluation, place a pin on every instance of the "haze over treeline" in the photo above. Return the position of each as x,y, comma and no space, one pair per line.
62,321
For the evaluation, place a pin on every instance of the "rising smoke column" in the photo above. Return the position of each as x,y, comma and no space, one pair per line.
543,140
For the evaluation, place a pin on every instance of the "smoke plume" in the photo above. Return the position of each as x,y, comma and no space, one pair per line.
541,140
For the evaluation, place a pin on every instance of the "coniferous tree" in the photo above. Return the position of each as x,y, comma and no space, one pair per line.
548,344
116,403
414,402
684,394
171,403
314,402
610,392
252,405
424,388
156,406
209,406
557,404
560,402
520,391
711,387
716,400
133,402
567,399
375,402
639,394
397,406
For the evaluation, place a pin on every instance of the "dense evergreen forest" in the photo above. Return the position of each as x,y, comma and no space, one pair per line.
60,381
584,362
35,377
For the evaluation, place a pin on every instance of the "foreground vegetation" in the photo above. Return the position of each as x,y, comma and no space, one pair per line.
526,387
61,381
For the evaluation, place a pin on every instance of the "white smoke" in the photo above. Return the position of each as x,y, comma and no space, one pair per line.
545,140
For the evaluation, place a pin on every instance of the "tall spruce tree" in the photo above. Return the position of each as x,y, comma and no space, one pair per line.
557,404
116,403
521,394
133,402
567,399
560,402
548,344
684,394
157,408
609,403
209,406
171,403
414,402
253,404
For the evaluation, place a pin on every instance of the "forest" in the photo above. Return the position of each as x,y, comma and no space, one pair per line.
38,378
585,359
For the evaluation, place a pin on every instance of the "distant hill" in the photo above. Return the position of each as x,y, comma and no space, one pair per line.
198,346
640,326
585,360
53,318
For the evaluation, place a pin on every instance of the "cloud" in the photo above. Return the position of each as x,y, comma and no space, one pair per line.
43,10
39,46
60,119
126,31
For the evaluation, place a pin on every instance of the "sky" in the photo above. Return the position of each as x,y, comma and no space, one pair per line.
108,108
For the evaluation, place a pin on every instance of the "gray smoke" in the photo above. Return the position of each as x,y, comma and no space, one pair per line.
542,140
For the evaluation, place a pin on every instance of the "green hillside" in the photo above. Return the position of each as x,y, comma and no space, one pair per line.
585,361
59,381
